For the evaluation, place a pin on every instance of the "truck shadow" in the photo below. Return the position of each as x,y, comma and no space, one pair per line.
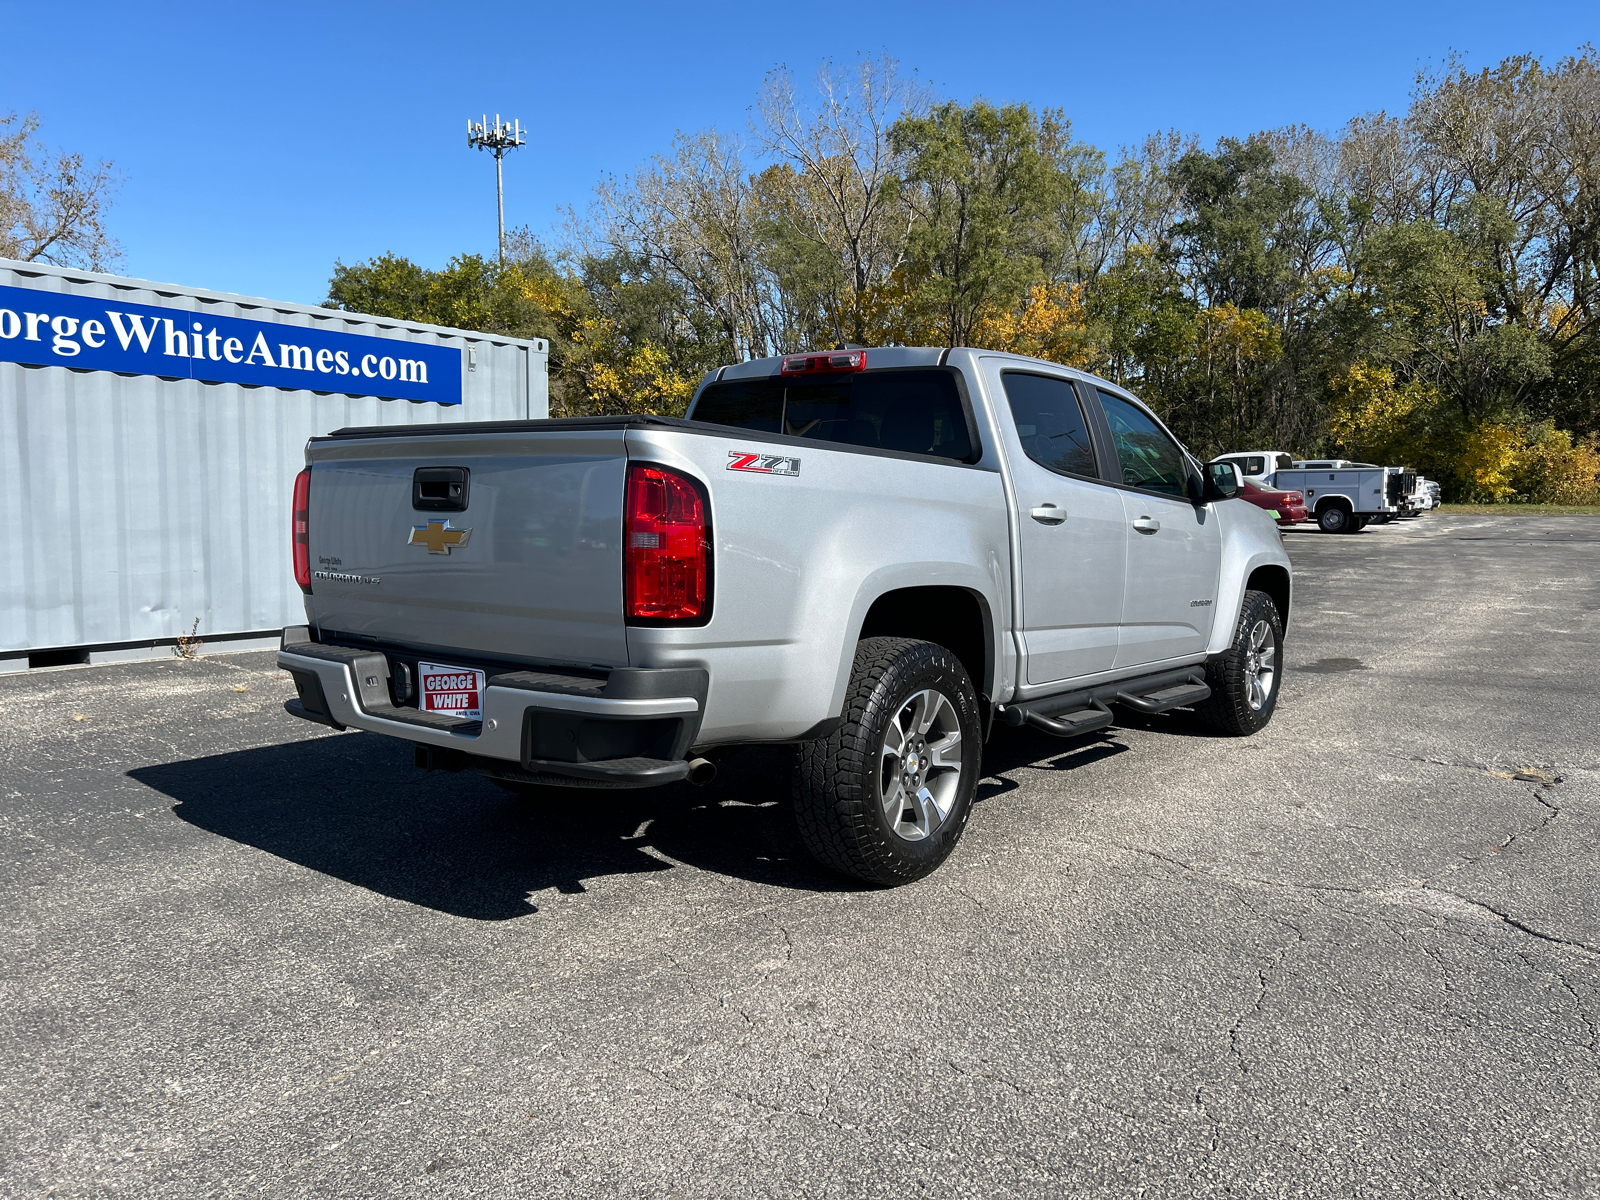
1009,751
354,807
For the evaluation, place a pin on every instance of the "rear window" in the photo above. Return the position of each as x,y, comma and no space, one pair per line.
1284,463
917,411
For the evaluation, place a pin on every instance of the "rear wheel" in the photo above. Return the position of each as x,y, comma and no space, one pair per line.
1245,680
1333,518
886,797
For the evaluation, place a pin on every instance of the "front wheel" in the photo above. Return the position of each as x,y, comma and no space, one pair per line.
1245,678
885,798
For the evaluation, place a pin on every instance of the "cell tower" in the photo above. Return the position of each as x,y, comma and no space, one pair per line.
497,139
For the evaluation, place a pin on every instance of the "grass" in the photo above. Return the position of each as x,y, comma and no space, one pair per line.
1523,510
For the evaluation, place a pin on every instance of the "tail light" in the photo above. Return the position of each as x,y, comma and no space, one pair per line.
301,525
666,564
816,364
1296,498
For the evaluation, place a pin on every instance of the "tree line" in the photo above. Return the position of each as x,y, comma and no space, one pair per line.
1418,288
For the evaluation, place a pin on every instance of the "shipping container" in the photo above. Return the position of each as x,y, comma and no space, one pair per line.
149,439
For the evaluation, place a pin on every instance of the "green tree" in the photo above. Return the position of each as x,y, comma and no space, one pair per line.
986,187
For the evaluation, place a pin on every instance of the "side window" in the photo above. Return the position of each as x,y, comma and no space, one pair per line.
1050,423
1149,458
1255,465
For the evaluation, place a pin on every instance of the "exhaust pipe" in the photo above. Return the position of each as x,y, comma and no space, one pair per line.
701,771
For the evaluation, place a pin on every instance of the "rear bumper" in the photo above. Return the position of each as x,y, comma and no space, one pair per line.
632,728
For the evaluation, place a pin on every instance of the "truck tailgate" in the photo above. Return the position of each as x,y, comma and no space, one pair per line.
530,569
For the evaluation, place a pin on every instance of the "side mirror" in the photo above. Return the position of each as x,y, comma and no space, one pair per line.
1222,481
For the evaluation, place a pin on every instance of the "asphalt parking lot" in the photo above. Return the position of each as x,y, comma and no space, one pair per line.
1356,955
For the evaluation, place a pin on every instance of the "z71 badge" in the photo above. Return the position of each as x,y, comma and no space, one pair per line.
763,464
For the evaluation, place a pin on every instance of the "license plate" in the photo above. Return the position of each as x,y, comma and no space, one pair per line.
454,690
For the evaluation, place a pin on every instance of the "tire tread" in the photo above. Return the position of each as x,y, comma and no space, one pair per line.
835,813
1228,709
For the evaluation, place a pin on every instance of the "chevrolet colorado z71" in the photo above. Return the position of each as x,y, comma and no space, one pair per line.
870,555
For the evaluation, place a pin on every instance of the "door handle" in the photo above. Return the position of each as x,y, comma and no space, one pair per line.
1049,514
1147,524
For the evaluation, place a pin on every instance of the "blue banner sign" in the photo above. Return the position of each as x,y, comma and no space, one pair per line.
58,329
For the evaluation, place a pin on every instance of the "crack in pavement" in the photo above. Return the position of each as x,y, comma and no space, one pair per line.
1553,811
1393,895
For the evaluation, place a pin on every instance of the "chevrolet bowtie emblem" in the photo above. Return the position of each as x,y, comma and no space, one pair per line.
438,537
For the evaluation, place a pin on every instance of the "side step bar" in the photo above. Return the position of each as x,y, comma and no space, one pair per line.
1172,697
1085,711
1067,724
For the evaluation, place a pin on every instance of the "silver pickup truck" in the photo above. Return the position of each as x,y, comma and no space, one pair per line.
871,555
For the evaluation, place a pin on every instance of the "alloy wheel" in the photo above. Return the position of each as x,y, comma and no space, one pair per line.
919,772
1260,665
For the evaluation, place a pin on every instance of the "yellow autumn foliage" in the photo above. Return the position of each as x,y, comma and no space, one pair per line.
1237,337
1487,461
1371,417
1552,469
1050,323
627,378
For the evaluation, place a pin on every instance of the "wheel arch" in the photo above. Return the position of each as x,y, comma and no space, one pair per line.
957,618
1274,581
1253,557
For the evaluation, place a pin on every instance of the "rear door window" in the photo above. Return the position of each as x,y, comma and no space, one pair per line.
1255,465
1149,458
1050,423
916,411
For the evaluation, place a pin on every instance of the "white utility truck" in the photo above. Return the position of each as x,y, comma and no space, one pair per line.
1342,495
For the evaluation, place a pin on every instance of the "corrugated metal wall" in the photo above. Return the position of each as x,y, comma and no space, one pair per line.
130,505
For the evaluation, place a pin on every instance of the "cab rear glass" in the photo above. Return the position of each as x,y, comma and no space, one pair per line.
914,410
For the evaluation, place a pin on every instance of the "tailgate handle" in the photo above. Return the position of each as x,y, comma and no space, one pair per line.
440,489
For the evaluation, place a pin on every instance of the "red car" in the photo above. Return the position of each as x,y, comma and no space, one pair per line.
1290,506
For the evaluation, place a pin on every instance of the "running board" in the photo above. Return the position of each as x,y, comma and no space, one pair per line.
1172,697
1070,724
1070,714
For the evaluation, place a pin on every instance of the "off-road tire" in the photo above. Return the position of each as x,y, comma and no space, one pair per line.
1334,518
1229,709
836,785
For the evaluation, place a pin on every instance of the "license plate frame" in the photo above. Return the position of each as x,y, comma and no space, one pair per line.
450,690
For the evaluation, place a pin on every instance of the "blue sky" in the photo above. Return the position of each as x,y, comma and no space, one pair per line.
259,143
